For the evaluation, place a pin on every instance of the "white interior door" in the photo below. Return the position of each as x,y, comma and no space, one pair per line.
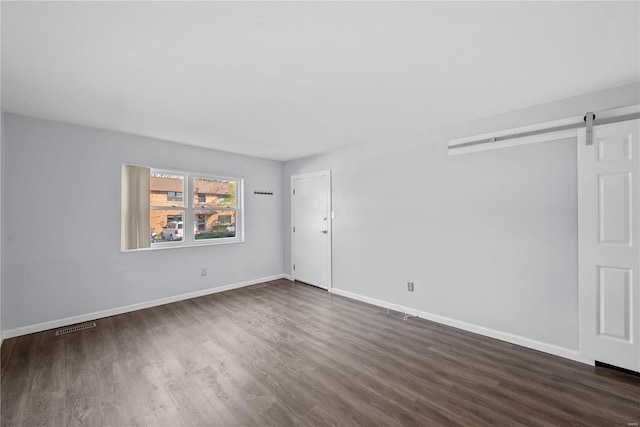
609,242
311,232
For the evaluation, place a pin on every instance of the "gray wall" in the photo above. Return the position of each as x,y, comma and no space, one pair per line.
489,238
62,223
1,183
1,210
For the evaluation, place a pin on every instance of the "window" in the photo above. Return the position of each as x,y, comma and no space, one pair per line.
215,212
154,199
174,196
224,219
202,222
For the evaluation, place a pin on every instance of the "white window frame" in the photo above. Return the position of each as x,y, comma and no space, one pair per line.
190,206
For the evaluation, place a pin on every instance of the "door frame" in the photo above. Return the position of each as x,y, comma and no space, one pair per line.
322,173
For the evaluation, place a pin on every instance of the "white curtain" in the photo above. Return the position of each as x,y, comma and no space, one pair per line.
135,230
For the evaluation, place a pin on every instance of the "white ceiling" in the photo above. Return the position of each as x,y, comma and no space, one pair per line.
288,80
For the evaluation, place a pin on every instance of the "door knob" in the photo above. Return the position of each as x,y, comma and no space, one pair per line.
324,231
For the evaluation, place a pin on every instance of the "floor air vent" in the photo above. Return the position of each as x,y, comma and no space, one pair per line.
76,328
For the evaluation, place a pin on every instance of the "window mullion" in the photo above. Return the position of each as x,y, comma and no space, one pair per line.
189,212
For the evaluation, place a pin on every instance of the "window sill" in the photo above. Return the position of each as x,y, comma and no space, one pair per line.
176,245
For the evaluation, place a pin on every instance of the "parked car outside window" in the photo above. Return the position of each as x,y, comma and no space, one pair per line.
173,231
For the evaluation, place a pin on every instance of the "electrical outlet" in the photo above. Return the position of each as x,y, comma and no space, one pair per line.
203,271
410,286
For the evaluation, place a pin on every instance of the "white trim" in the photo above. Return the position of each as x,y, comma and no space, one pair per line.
288,277
39,327
322,173
532,139
312,174
555,350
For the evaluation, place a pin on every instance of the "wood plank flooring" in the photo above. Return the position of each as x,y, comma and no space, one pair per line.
288,354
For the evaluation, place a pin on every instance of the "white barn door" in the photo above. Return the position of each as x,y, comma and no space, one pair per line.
609,244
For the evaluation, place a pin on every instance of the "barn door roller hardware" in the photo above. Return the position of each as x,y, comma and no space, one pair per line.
542,132
589,118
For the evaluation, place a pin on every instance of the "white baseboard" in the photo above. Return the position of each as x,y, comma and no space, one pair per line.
24,330
492,333
504,336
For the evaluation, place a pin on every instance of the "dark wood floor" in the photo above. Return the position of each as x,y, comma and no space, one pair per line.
288,354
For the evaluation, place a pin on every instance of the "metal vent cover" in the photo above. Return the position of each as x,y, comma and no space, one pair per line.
75,328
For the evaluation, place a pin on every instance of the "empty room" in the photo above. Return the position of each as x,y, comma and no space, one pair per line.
320,213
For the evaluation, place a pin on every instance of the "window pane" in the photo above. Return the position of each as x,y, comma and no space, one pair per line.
210,192
166,189
210,224
167,225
